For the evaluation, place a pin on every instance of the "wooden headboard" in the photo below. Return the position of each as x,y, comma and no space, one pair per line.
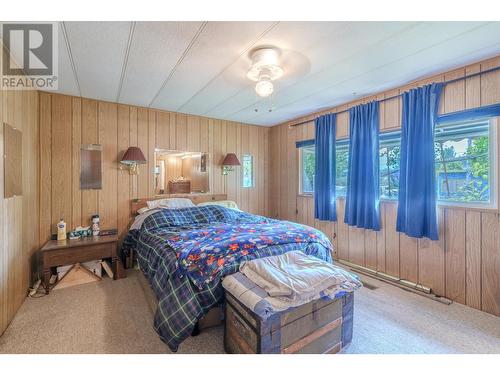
137,204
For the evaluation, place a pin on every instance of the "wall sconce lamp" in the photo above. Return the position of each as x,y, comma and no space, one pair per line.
230,161
132,157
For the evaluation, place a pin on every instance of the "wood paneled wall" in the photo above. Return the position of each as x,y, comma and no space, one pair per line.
67,122
464,265
18,215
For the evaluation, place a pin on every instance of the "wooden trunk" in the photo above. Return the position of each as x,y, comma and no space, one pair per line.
317,327
179,187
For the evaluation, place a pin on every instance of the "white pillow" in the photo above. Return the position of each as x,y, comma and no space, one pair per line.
142,210
171,203
227,204
156,203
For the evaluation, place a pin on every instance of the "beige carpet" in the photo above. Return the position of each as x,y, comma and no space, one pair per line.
114,317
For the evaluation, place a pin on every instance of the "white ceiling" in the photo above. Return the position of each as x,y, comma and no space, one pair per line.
200,67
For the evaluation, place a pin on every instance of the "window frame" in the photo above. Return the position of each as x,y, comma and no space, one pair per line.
494,166
243,171
494,169
493,172
341,142
300,158
388,134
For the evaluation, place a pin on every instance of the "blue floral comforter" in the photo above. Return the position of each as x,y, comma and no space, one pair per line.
185,252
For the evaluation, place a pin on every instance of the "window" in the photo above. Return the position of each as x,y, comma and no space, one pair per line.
308,162
307,165
342,166
465,162
464,166
464,156
247,162
389,152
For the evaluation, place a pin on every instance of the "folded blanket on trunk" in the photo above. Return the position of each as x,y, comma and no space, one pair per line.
294,278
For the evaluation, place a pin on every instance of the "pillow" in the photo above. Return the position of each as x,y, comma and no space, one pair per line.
142,210
227,204
171,203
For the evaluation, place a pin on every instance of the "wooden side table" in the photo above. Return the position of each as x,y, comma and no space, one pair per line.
61,253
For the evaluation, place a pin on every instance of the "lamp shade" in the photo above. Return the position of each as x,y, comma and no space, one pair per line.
231,159
133,155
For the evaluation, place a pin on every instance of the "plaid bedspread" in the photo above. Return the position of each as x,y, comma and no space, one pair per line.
185,252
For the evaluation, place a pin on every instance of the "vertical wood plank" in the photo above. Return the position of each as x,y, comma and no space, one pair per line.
490,83
172,131
108,139
342,130
253,149
455,241
454,93
408,258
262,154
217,156
150,155
143,144
275,165
180,132
431,267
75,157
356,245
123,188
45,166
267,172
342,231
473,258
490,265
392,111
391,240
204,134
163,130
61,159
245,149
89,136
371,249
133,142
193,133
232,177
283,193
381,241
473,87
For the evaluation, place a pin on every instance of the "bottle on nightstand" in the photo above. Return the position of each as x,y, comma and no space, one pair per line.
61,230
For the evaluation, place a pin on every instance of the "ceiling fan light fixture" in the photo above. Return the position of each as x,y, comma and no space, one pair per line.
264,70
264,87
265,61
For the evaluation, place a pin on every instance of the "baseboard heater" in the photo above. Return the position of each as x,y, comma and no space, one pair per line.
396,281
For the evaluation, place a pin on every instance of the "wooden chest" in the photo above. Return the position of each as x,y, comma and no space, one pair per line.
179,187
317,327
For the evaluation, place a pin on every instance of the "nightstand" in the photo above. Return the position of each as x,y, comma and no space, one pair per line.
62,253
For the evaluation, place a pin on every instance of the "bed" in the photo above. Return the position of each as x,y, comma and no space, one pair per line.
185,252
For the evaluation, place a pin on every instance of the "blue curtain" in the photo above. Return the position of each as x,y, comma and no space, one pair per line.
324,177
417,180
362,200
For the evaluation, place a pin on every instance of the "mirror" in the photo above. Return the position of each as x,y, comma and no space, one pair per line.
181,172
90,167
13,161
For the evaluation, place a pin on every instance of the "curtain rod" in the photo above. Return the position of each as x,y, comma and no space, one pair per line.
397,96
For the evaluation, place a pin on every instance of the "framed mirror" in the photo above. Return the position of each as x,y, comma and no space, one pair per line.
13,161
181,172
90,167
